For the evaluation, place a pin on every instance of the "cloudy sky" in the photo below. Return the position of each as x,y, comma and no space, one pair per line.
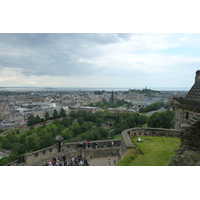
99,60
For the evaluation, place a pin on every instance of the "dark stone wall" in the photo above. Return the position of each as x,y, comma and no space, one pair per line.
191,138
189,152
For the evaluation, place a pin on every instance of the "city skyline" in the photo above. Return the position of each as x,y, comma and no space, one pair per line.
95,60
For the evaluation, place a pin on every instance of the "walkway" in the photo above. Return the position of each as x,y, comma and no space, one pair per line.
103,161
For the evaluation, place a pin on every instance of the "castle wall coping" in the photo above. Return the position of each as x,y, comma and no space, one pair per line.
72,143
127,140
149,128
98,141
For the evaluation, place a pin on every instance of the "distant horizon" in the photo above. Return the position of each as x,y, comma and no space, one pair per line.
98,88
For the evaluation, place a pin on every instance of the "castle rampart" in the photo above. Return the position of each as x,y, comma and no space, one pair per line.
104,148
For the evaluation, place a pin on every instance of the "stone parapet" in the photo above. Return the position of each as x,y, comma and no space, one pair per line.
70,149
156,131
104,147
126,142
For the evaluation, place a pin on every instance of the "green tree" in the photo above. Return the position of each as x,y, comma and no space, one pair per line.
80,120
103,133
1,130
4,161
131,122
43,120
37,119
91,117
66,122
12,138
142,120
55,114
154,120
6,144
31,120
67,134
84,114
33,142
22,139
29,132
96,133
122,125
62,113
47,140
76,129
53,131
162,120
153,106
166,119
72,114
19,148
46,115
59,128
13,156
84,127
99,121
44,126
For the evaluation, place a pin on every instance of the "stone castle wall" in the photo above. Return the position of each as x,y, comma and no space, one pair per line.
189,151
104,149
183,116
158,131
126,143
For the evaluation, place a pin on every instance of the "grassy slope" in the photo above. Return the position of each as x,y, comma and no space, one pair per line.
119,136
157,152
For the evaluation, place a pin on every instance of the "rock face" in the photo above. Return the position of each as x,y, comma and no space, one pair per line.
189,151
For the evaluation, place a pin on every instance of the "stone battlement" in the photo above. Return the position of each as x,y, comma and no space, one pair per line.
70,149
104,148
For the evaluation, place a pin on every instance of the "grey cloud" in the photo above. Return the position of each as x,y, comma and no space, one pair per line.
125,36
96,38
52,54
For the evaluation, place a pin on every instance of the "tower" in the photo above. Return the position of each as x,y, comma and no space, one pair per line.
197,77
112,97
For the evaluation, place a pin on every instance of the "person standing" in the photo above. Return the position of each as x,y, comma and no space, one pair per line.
109,161
88,144
95,145
112,144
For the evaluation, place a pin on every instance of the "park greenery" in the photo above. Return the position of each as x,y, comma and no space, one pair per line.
110,104
152,107
79,125
1,130
162,120
36,120
157,152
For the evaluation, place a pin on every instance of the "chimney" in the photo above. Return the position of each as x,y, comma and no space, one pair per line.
197,78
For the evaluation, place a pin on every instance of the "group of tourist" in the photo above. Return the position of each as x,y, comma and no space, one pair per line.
73,161
84,144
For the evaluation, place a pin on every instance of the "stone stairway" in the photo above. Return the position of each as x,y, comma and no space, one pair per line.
194,119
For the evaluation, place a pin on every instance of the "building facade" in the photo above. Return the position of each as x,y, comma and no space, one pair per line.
187,109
